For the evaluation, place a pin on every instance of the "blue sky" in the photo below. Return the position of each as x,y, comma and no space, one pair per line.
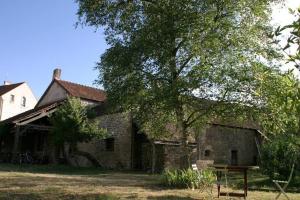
37,36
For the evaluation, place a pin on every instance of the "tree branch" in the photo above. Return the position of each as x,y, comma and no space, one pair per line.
195,119
149,1
184,64
178,46
191,115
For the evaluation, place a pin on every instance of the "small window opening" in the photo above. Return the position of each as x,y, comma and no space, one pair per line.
207,153
12,98
23,101
110,144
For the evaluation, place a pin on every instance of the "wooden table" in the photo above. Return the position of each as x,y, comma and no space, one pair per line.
232,168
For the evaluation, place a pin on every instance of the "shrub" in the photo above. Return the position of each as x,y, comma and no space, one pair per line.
278,155
208,177
188,178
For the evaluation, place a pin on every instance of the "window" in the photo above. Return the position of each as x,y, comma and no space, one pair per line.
207,153
110,144
234,157
23,101
12,98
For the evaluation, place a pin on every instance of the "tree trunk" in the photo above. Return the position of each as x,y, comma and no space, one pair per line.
185,152
176,96
181,128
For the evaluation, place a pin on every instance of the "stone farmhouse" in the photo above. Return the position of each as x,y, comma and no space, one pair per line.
127,148
15,99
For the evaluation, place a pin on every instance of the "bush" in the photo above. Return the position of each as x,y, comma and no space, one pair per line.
188,178
278,156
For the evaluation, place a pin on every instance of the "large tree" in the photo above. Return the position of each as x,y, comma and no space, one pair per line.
180,62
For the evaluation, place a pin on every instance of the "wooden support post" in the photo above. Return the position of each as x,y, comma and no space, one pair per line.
153,157
219,176
245,184
16,143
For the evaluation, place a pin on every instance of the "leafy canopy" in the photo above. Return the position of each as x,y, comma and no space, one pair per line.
280,91
280,107
171,61
71,123
280,111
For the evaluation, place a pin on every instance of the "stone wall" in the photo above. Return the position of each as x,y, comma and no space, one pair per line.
119,126
166,156
219,142
173,156
215,143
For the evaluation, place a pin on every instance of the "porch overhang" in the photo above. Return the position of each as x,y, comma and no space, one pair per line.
33,115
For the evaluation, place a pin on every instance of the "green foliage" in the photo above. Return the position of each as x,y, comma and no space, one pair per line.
182,62
188,178
166,56
279,154
279,108
280,111
293,39
71,123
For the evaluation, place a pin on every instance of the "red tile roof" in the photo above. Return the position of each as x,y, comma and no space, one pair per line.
82,91
6,88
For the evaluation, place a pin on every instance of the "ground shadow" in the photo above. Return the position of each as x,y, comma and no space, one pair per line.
21,197
33,196
259,182
52,169
170,197
79,176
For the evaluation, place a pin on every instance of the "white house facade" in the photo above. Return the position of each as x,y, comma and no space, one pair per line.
15,99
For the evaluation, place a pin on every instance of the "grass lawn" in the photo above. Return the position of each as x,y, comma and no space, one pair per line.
62,182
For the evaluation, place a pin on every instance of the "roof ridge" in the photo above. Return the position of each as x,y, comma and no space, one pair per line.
12,84
82,91
7,88
81,85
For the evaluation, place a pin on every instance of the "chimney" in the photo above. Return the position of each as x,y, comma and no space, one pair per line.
7,82
56,74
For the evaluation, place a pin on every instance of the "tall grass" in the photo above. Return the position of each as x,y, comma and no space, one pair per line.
188,178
